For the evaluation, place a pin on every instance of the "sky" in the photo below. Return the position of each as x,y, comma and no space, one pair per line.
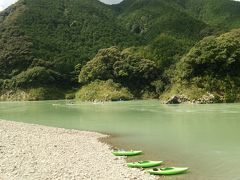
6,3
111,1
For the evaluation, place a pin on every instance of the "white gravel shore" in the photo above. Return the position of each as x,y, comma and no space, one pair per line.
33,152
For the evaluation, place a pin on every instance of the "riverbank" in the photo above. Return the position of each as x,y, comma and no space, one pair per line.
38,152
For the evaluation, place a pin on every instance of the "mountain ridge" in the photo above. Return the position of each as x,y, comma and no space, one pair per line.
44,45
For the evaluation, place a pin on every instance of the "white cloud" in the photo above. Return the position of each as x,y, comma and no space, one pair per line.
1,8
111,1
5,3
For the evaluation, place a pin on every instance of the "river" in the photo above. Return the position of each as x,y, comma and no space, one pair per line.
205,138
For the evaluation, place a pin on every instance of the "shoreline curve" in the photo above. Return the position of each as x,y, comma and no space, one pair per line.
30,151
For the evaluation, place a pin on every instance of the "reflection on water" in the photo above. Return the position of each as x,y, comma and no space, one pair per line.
203,137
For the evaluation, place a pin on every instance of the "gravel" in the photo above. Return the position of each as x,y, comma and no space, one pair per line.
34,152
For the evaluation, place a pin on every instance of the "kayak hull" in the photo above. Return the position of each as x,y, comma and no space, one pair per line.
127,153
169,171
144,164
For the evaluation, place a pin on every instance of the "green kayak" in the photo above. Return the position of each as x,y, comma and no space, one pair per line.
144,164
168,170
126,153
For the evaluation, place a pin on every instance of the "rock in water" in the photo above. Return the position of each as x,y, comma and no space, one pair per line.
173,100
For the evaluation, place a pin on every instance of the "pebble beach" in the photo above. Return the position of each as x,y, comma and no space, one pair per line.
34,152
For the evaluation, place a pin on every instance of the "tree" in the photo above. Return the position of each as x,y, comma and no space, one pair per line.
129,70
101,66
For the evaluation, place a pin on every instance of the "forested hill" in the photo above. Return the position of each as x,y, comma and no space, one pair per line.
214,12
224,13
50,48
42,41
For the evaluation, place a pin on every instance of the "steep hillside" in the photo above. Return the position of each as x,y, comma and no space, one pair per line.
47,46
55,35
224,13
211,66
153,17
167,31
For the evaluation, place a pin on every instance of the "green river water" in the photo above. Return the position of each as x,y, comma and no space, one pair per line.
205,138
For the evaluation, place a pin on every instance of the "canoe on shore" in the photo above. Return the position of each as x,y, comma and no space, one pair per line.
144,164
126,153
168,170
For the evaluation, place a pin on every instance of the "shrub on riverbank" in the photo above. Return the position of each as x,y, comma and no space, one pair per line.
103,91
33,94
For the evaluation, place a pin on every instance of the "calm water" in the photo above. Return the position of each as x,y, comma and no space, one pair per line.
204,137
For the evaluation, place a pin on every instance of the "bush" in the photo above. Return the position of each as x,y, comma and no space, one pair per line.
103,91
33,94
70,95
124,68
101,66
34,77
213,56
37,94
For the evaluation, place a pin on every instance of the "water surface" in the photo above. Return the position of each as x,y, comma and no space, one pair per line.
205,138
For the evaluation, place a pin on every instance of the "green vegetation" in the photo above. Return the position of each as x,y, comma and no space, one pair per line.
213,65
54,35
33,94
103,91
166,31
224,13
131,71
152,47
36,76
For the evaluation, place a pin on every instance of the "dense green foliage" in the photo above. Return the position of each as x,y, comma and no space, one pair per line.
33,94
213,65
41,41
166,31
103,91
55,44
131,71
214,12
224,13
